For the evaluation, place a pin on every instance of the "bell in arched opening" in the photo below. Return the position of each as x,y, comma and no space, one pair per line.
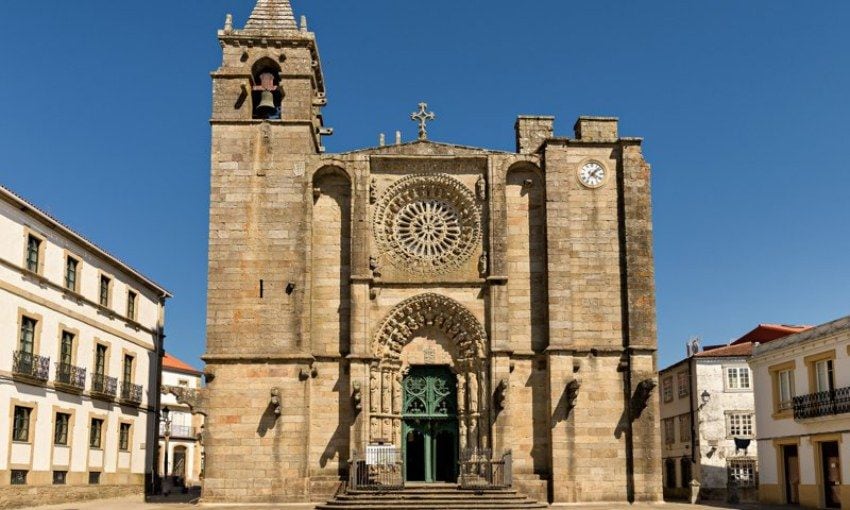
267,96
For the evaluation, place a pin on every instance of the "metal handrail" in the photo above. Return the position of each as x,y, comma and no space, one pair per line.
102,384
131,392
381,469
70,376
31,365
824,403
480,470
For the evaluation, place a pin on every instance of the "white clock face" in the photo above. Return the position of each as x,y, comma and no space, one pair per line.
592,174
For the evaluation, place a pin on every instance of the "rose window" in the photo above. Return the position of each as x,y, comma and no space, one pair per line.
427,224
427,228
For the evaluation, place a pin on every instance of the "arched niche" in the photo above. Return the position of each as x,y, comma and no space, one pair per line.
330,267
525,206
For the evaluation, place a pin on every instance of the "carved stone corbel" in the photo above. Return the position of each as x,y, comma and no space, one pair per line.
274,400
640,399
571,393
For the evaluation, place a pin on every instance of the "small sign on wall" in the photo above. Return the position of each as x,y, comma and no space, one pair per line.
381,454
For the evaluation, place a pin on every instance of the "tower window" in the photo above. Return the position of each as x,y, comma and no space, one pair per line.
266,92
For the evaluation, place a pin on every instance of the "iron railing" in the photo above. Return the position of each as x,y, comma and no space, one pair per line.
70,377
31,366
104,386
182,431
480,470
381,469
824,403
131,393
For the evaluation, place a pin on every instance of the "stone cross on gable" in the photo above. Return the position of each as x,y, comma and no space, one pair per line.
423,116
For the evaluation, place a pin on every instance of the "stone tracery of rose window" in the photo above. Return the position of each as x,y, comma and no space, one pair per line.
427,224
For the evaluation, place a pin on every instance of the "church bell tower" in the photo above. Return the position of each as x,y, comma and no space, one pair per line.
270,79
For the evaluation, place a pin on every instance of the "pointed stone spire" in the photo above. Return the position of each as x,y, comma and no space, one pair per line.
271,16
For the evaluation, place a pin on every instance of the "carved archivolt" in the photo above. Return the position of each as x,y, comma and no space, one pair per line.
427,224
430,309
386,375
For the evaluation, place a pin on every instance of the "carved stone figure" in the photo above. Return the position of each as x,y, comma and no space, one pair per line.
374,396
482,264
481,188
373,190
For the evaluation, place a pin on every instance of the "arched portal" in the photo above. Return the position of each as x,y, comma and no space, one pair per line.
456,340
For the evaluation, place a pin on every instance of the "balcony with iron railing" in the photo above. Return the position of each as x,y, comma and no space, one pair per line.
824,403
103,386
32,367
131,393
70,378
177,431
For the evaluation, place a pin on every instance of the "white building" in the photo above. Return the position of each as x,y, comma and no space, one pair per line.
708,420
183,436
803,409
79,339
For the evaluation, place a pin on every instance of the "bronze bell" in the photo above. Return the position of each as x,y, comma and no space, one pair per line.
266,106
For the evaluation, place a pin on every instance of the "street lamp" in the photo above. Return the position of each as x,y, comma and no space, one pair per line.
166,420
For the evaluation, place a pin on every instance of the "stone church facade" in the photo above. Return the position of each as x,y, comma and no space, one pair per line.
429,296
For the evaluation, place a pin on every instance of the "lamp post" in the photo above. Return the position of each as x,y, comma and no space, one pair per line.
166,420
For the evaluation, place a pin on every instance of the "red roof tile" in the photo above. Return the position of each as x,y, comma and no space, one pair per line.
727,351
764,333
172,363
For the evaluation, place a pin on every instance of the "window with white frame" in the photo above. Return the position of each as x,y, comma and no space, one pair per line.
738,378
743,471
739,424
683,383
785,381
667,389
824,380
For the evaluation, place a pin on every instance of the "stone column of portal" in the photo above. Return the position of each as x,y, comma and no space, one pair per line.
636,243
461,407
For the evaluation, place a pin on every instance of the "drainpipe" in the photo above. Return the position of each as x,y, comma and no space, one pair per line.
154,486
691,396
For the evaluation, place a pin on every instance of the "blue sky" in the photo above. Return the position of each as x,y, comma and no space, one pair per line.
743,107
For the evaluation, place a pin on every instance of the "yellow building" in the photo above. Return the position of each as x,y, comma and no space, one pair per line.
802,385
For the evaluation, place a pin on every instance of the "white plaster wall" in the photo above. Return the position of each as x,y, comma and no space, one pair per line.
170,378
13,224
180,416
41,445
18,291
711,418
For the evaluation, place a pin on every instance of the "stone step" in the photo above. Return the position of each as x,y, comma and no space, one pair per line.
432,497
419,495
453,505
414,492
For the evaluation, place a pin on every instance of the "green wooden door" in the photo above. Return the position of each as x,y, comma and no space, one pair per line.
430,430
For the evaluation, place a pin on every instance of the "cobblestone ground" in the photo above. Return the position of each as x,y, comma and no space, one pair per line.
136,503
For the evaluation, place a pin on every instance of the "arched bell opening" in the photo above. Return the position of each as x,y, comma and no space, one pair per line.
266,92
429,385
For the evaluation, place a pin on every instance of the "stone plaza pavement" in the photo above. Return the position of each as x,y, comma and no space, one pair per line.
136,503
